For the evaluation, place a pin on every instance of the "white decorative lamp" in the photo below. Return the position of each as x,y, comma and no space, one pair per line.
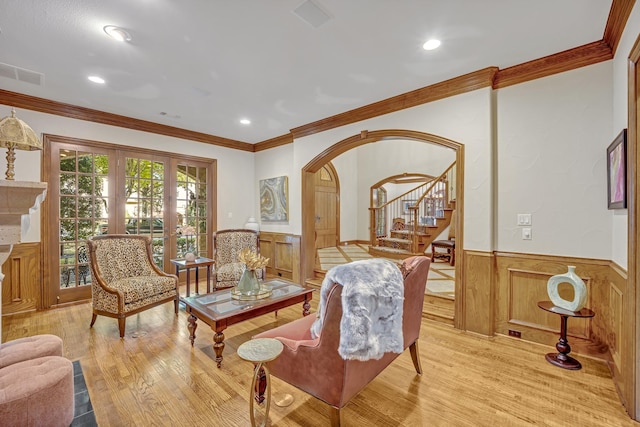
14,133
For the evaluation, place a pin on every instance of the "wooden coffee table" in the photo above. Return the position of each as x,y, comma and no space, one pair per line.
219,310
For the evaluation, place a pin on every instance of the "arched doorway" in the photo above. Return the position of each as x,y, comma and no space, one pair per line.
366,137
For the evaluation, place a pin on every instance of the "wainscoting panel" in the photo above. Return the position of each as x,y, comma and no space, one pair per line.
479,300
526,288
23,275
615,320
283,251
522,282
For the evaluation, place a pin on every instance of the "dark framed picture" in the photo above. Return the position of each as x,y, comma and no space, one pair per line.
617,172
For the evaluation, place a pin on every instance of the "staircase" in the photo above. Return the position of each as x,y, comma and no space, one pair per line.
414,219
399,244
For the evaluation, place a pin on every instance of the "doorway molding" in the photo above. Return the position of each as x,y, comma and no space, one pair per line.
367,137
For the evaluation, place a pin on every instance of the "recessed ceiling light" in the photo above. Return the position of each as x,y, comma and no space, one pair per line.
431,44
245,121
96,79
117,33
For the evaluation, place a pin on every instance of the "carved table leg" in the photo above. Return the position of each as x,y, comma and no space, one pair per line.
191,325
261,384
218,346
562,358
306,307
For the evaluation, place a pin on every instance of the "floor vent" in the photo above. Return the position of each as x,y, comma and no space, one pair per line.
21,74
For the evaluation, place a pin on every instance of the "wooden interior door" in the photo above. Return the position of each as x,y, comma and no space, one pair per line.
327,218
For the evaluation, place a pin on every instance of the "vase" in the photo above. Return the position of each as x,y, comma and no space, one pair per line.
252,224
190,256
579,290
248,284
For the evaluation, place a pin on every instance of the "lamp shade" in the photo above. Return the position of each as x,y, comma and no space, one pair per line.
16,133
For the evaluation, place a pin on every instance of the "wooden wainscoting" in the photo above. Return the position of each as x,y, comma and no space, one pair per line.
23,276
478,301
283,251
521,281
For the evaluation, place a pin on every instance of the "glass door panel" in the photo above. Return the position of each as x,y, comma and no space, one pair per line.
144,203
80,199
192,210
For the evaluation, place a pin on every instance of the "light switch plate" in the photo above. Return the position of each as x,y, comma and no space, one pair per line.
524,219
526,233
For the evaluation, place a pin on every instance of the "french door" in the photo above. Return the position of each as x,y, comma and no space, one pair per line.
97,188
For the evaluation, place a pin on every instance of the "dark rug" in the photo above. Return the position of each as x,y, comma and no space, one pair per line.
83,415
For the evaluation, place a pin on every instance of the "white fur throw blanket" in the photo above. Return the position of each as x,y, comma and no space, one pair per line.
372,301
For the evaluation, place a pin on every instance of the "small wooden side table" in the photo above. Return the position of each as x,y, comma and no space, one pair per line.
260,351
199,262
562,358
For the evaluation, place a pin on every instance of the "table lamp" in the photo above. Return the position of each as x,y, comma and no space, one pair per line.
14,133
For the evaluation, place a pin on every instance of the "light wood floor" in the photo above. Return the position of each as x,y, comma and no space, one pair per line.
154,377
441,281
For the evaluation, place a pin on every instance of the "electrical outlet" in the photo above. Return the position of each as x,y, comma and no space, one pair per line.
526,233
515,334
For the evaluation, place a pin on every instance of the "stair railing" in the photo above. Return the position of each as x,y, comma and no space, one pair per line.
426,201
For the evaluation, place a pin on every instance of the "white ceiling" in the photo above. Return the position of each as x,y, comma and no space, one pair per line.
207,63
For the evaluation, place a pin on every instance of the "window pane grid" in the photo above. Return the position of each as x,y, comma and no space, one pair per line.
192,209
82,209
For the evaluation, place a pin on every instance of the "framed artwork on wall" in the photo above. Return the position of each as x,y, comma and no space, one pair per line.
274,199
405,205
617,172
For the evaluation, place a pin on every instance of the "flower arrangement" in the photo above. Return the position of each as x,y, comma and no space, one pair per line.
251,259
189,232
248,287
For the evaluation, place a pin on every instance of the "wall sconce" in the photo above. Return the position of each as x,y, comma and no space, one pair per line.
14,133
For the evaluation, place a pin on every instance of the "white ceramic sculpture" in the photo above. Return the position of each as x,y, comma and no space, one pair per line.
252,224
579,290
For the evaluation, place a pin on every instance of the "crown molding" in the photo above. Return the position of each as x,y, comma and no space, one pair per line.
567,60
455,86
43,105
618,16
274,142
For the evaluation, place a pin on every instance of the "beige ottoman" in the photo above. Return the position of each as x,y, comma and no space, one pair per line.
37,392
29,348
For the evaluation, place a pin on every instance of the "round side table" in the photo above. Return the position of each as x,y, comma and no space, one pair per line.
562,358
259,351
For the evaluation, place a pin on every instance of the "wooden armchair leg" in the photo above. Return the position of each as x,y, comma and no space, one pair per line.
93,320
121,323
176,303
415,356
334,415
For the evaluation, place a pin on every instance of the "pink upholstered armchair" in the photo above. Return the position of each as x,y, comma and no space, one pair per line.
316,367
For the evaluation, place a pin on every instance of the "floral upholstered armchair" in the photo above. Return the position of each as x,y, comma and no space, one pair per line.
125,279
227,244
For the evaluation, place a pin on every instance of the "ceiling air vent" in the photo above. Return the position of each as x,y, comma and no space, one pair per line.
21,74
312,14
